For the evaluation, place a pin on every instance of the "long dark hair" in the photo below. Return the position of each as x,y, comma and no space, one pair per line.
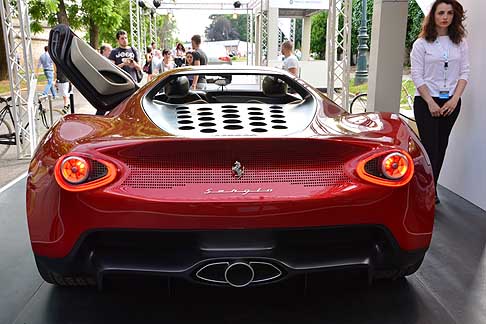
456,29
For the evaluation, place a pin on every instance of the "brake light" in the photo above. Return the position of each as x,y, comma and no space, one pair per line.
392,168
224,58
77,173
74,169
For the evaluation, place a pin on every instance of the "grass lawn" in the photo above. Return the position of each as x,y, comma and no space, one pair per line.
406,84
5,85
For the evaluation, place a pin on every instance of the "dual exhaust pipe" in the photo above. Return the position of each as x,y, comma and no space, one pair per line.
238,274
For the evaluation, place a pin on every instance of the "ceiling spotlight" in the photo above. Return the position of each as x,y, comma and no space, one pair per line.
157,3
236,4
141,4
235,16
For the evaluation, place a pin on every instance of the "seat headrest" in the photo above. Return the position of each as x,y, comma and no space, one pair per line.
177,88
274,87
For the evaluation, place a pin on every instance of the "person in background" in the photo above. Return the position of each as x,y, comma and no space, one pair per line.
166,62
153,46
290,63
105,50
147,68
189,62
200,58
440,71
124,56
179,55
62,85
47,65
156,62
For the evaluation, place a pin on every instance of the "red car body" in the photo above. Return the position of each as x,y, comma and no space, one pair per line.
173,206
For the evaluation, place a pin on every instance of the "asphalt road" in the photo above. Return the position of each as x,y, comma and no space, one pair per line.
450,287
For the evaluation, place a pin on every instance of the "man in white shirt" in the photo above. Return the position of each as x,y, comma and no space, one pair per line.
290,63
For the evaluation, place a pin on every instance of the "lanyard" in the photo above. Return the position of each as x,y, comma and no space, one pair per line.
445,57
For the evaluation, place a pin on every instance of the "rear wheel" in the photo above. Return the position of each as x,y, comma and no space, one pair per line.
6,136
65,280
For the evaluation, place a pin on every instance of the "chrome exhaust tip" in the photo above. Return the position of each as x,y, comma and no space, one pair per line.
239,274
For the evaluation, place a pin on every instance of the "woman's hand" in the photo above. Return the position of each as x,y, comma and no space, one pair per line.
449,107
434,109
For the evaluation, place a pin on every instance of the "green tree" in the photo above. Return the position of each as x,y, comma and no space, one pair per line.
3,56
318,34
221,29
414,26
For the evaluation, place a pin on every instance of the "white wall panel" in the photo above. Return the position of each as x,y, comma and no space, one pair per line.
464,170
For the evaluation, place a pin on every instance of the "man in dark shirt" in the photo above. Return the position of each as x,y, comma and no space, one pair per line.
125,56
200,58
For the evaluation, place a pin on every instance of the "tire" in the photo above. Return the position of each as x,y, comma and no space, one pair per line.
359,104
65,280
5,130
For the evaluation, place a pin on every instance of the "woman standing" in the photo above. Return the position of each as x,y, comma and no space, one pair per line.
440,70
166,63
147,68
179,54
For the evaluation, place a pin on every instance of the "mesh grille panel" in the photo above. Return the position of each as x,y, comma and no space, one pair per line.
177,170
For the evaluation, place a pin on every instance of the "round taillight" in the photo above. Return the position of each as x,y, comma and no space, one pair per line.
394,166
74,169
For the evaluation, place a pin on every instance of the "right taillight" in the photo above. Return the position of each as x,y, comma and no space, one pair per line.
391,168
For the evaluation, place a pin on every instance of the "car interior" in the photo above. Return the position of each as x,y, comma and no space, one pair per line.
269,89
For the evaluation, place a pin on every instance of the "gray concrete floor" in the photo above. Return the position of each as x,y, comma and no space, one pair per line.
450,287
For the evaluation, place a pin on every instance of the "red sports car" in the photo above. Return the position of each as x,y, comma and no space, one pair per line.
249,178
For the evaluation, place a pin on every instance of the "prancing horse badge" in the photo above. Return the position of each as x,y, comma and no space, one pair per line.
238,170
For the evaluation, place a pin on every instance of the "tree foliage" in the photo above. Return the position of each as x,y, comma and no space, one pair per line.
318,34
356,23
221,28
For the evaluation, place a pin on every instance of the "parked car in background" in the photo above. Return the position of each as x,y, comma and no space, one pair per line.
216,54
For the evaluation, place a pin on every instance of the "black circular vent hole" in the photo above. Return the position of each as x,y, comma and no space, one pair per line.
255,108
279,127
205,113
233,127
255,113
183,116
275,107
278,121
207,124
183,112
208,130
228,106
231,121
277,116
206,118
186,127
274,111
259,130
230,111
181,108
257,118
258,124
231,116
204,109
185,122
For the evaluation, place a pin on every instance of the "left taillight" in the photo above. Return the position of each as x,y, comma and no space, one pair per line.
224,58
391,168
79,173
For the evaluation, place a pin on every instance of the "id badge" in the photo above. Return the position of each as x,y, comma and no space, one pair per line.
444,94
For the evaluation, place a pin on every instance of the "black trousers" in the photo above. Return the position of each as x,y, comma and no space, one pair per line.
434,131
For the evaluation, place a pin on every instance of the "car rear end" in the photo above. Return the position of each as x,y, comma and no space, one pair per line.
231,211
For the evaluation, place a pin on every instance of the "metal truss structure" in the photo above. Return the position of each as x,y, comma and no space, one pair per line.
18,45
339,50
153,27
293,23
250,54
135,24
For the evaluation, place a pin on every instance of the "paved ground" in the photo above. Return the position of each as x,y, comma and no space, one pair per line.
11,167
449,288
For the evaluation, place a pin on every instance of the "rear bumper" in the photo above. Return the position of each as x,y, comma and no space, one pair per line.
184,254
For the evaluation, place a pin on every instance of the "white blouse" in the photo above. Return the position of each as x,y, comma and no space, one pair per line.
428,64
